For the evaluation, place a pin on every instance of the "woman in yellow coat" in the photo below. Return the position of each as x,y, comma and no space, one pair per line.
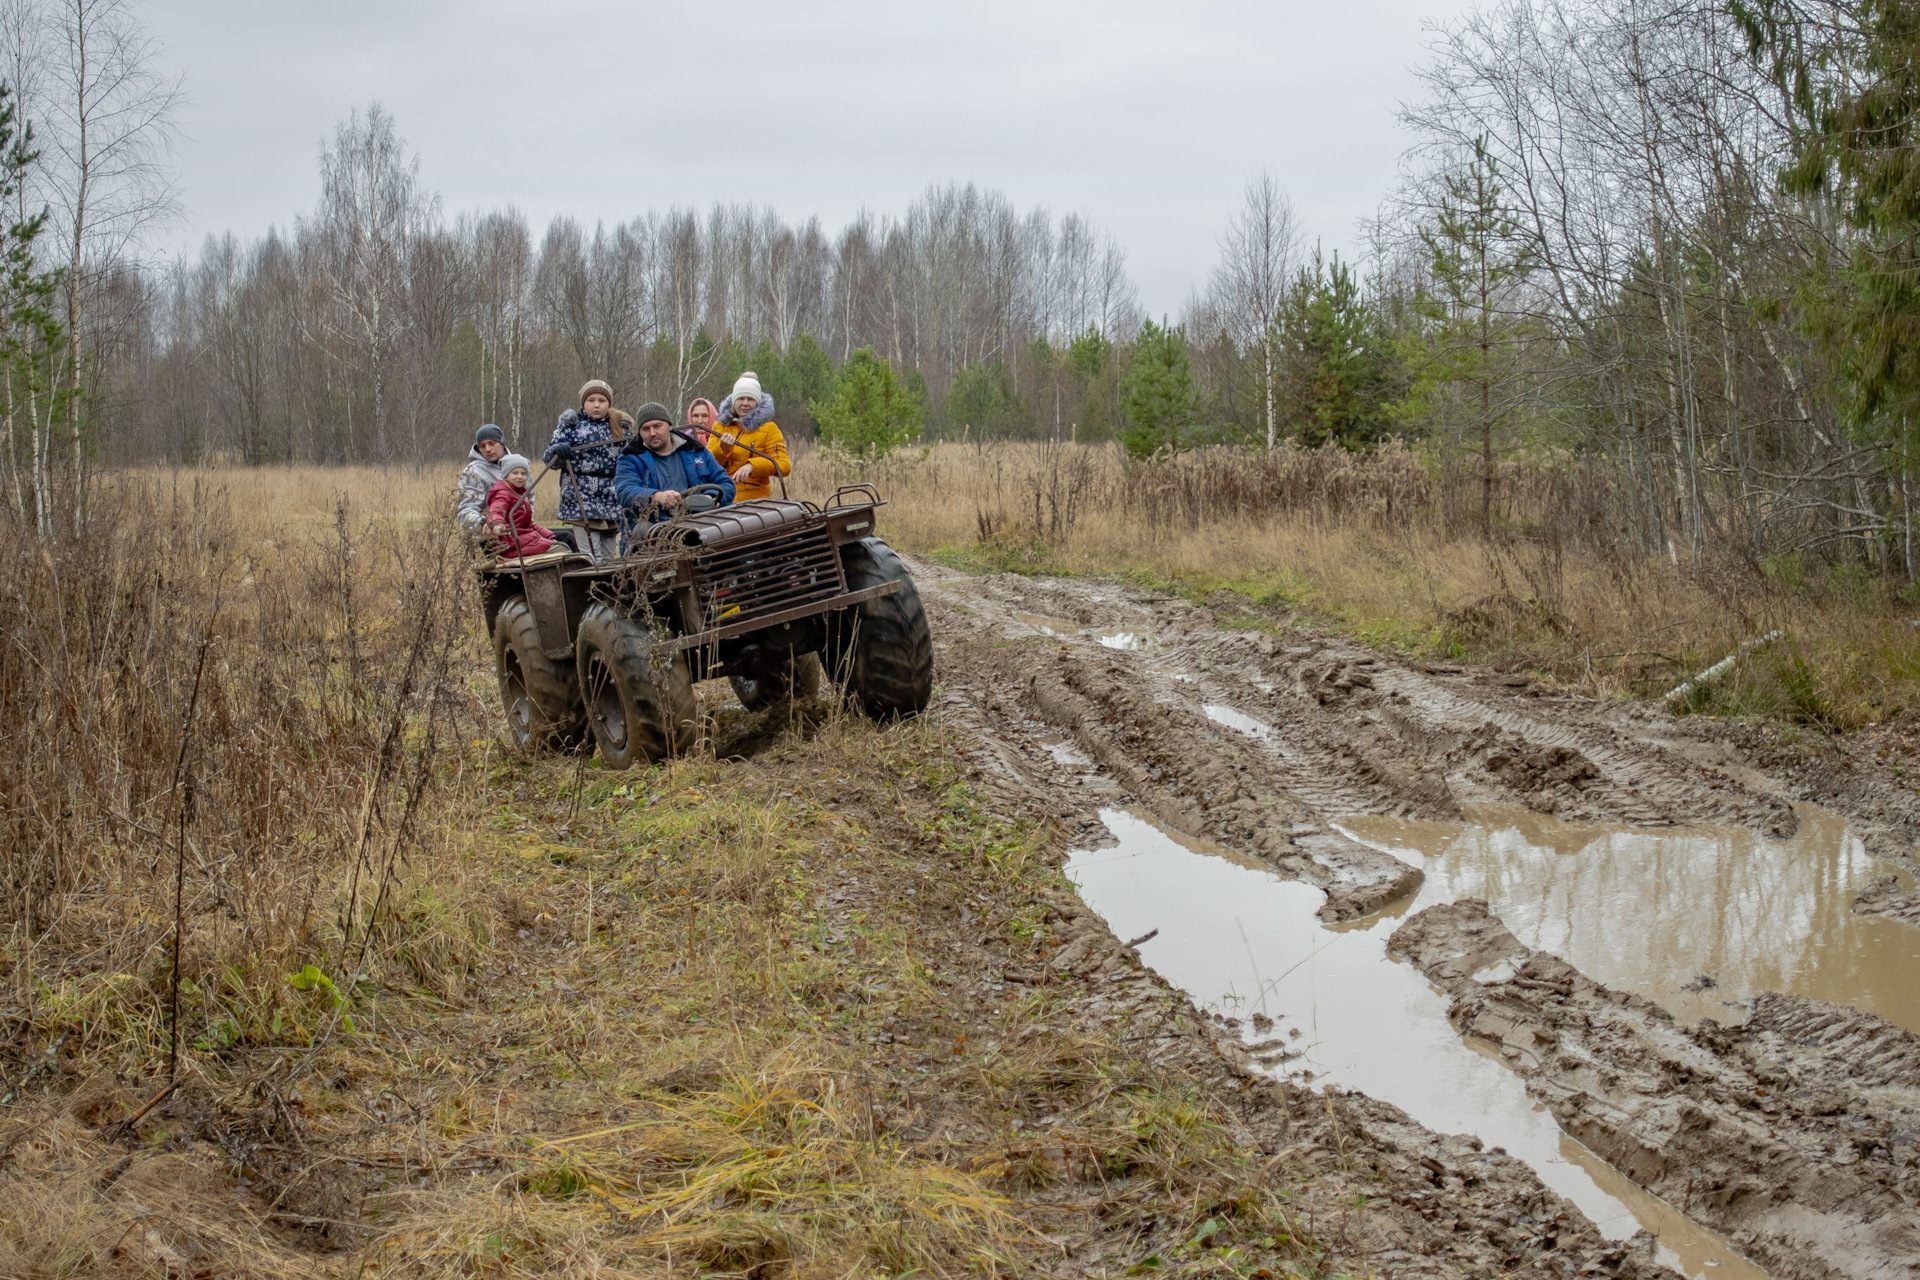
747,419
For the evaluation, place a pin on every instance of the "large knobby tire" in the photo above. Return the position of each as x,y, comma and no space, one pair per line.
881,649
795,680
639,697
544,708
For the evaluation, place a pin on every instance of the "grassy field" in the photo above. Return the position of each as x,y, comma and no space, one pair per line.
699,1018
1366,545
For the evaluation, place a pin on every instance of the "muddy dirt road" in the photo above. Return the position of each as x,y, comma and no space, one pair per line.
1255,736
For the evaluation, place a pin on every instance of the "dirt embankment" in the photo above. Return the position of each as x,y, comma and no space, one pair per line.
1797,1135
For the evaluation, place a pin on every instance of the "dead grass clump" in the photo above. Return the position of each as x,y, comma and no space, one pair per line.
780,1165
239,734
77,1207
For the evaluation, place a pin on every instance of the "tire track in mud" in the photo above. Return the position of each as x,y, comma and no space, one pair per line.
1257,739
1795,1135
1070,729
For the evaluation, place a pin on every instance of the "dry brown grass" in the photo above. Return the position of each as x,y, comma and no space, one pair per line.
1382,546
677,1057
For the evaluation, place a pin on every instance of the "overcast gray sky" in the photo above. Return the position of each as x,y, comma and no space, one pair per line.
1148,117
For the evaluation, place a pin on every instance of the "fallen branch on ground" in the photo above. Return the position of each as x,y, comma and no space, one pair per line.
1719,668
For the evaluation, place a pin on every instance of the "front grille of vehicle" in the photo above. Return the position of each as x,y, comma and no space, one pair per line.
741,583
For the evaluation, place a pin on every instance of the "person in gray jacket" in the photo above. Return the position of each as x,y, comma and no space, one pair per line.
482,471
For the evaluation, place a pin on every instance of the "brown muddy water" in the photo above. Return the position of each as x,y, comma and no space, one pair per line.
1241,940
1697,921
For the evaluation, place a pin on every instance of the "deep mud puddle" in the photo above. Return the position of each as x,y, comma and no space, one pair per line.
1697,921
1240,939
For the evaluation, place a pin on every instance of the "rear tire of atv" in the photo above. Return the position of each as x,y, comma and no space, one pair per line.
881,649
544,708
796,680
639,698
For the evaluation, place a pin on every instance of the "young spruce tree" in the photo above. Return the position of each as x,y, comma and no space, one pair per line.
1158,397
872,411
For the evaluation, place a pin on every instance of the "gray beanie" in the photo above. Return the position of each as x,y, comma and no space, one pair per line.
489,432
512,460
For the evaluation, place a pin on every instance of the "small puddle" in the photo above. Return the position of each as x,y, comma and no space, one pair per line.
1067,628
1127,640
1047,625
1238,720
1068,753
1238,938
1652,912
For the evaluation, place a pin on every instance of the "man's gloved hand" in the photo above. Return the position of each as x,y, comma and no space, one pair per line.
558,453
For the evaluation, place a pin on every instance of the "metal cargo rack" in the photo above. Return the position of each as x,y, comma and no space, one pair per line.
710,577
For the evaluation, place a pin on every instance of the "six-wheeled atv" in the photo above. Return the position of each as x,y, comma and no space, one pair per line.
764,593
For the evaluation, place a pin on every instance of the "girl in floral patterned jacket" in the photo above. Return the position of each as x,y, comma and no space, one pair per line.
586,445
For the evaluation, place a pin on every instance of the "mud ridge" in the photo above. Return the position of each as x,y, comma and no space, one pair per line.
1338,729
1796,1135
1505,739
1219,794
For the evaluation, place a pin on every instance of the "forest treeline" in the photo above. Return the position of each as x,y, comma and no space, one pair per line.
1665,245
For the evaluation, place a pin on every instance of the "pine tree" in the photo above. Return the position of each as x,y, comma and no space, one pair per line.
806,375
1463,361
1340,361
872,410
1850,78
984,399
1157,396
31,335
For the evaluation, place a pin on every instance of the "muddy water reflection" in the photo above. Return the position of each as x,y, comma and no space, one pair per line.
1237,937
1653,912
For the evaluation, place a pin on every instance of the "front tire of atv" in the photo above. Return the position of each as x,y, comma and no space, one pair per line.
881,649
795,680
639,697
544,708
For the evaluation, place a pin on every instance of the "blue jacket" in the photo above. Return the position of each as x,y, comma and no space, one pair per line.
636,477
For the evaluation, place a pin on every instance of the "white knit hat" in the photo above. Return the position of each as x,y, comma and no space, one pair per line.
749,385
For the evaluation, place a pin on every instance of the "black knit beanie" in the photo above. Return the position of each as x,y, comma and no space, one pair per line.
488,432
652,411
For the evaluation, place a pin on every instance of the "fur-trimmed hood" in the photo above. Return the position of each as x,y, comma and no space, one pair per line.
762,414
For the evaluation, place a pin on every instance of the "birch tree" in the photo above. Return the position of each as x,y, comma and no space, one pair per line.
371,212
1257,263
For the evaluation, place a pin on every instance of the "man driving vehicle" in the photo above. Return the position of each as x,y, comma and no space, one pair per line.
657,468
